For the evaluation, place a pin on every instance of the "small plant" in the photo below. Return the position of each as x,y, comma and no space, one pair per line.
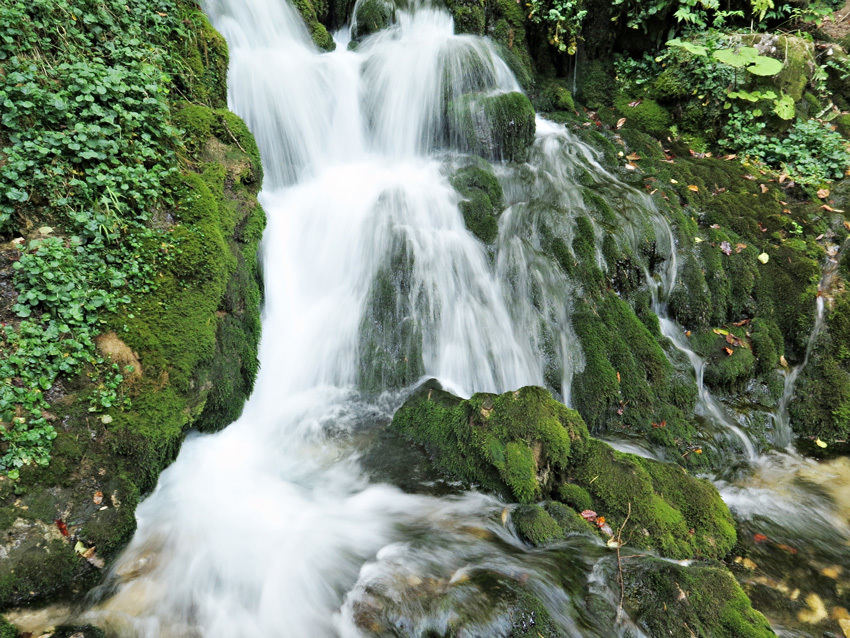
563,19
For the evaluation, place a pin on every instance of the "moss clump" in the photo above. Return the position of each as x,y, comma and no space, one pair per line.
370,16
647,115
595,85
536,525
568,518
482,201
481,440
575,496
311,11
497,127
38,568
7,629
468,16
554,97
667,599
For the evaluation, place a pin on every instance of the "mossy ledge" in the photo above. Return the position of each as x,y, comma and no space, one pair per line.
192,340
526,446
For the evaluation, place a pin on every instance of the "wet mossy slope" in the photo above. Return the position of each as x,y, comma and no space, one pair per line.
186,347
526,446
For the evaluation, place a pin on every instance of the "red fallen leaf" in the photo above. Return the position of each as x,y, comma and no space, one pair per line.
589,515
635,103
600,521
759,538
659,425
61,525
98,497
726,248
786,548
743,322
729,351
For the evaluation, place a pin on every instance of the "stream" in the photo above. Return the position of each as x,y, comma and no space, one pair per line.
284,523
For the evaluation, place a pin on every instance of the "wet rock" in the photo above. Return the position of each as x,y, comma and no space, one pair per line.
496,127
661,505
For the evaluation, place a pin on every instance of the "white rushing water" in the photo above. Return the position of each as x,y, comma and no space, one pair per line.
271,527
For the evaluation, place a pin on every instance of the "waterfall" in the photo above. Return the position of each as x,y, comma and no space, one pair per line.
272,527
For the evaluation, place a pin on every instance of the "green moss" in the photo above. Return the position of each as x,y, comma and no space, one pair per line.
670,86
647,115
310,10
483,201
702,601
671,511
575,496
497,127
535,525
7,629
468,16
595,85
40,567
370,16
554,96
482,439
521,472
568,519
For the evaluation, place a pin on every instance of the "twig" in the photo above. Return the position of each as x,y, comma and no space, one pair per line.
227,128
620,562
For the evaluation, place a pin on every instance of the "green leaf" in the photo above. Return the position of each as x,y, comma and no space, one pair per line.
740,57
784,107
687,46
765,66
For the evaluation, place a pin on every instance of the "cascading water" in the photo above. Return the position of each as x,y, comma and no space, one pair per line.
272,527
263,528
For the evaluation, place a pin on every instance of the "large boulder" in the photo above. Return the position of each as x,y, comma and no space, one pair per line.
526,447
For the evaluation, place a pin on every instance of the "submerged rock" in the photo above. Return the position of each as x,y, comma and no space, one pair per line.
526,446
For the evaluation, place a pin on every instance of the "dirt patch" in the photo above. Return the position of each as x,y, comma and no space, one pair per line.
110,345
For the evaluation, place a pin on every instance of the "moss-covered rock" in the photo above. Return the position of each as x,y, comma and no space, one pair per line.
683,602
482,202
497,127
193,334
369,17
536,525
595,85
313,11
525,445
644,114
